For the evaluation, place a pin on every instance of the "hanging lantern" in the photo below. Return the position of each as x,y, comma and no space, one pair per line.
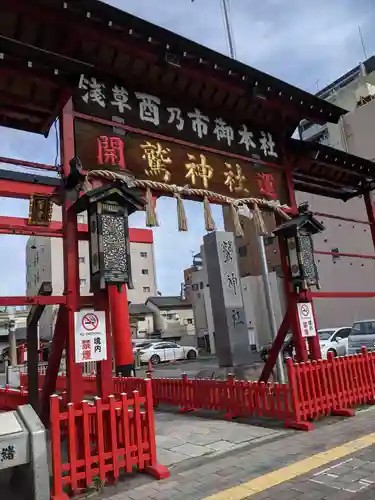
108,210
297,234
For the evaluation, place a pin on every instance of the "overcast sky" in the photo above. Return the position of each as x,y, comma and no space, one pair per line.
308,44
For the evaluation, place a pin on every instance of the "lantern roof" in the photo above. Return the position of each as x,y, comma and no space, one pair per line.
305,222
116,192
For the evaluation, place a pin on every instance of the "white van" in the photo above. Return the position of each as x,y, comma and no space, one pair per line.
362,335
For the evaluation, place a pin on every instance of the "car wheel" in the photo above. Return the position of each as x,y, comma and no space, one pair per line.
191,355
332,351
155,359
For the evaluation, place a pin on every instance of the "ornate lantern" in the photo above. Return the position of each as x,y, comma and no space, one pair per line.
108,210
297,234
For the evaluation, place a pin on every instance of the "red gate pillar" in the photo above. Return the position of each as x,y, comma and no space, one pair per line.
71,266
121,331
104,379
291,305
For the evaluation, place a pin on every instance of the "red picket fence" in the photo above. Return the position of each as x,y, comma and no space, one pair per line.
234,398
104,439
334,385
314,389
11,398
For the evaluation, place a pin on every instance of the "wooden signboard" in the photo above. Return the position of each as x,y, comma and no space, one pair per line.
149,158
118,102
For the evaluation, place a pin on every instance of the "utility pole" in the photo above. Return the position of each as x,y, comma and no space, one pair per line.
260,240
228,28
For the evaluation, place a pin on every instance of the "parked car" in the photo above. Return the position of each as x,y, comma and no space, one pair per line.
287,349
165,351
334,340
362,334
138,345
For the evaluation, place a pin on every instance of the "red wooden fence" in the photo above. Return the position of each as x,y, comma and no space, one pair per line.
104,439
314,389
334,385
10,399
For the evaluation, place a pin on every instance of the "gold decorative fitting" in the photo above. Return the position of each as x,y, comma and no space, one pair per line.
40,210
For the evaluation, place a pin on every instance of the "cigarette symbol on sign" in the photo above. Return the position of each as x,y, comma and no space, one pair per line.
305,310
90,322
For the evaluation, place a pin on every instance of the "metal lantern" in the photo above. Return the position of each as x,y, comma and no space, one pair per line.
297,234
108,210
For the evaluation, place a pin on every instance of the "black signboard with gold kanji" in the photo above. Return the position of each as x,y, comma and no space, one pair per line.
101,147
116,102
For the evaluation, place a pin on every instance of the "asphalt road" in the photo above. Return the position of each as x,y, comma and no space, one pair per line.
204,366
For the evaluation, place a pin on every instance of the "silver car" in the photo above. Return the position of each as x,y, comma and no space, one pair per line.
362,335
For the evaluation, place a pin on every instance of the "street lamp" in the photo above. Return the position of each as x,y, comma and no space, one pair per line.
108,210
297,234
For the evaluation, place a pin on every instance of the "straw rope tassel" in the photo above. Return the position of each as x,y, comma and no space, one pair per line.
238,231
181,214
259,221
208,219
151,217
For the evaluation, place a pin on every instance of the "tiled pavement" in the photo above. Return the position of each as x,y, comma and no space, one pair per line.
199,477
180,438
350,479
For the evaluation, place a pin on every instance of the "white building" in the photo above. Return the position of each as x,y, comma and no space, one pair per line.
173,319
350,91
44,262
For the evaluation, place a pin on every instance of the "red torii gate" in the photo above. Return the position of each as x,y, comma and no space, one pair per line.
38,75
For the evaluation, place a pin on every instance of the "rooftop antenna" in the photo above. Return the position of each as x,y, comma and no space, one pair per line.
362,42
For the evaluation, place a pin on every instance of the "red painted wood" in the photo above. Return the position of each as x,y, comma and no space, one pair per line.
19,225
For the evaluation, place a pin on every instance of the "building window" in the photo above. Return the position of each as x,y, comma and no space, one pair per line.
146,289
268,240
189,321
81,260
201,285
143,255
335,252
144,271
82,282
242,251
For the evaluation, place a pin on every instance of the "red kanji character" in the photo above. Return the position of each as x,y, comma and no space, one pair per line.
86,344
265,183
111,151
86,355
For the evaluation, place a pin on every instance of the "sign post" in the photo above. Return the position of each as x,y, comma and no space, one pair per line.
306,319
90,336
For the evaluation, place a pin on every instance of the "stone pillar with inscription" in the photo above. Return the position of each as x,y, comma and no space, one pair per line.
231,336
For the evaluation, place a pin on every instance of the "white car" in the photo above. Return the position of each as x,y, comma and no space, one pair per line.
142,344
166,351
334,340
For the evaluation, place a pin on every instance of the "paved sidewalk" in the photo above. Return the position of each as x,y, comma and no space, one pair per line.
221,477
180,438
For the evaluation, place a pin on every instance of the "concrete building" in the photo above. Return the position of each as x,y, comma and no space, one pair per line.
197,291
44,262
354,91
173,319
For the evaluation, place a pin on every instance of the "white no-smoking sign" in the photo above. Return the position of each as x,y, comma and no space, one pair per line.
306,319
90,336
